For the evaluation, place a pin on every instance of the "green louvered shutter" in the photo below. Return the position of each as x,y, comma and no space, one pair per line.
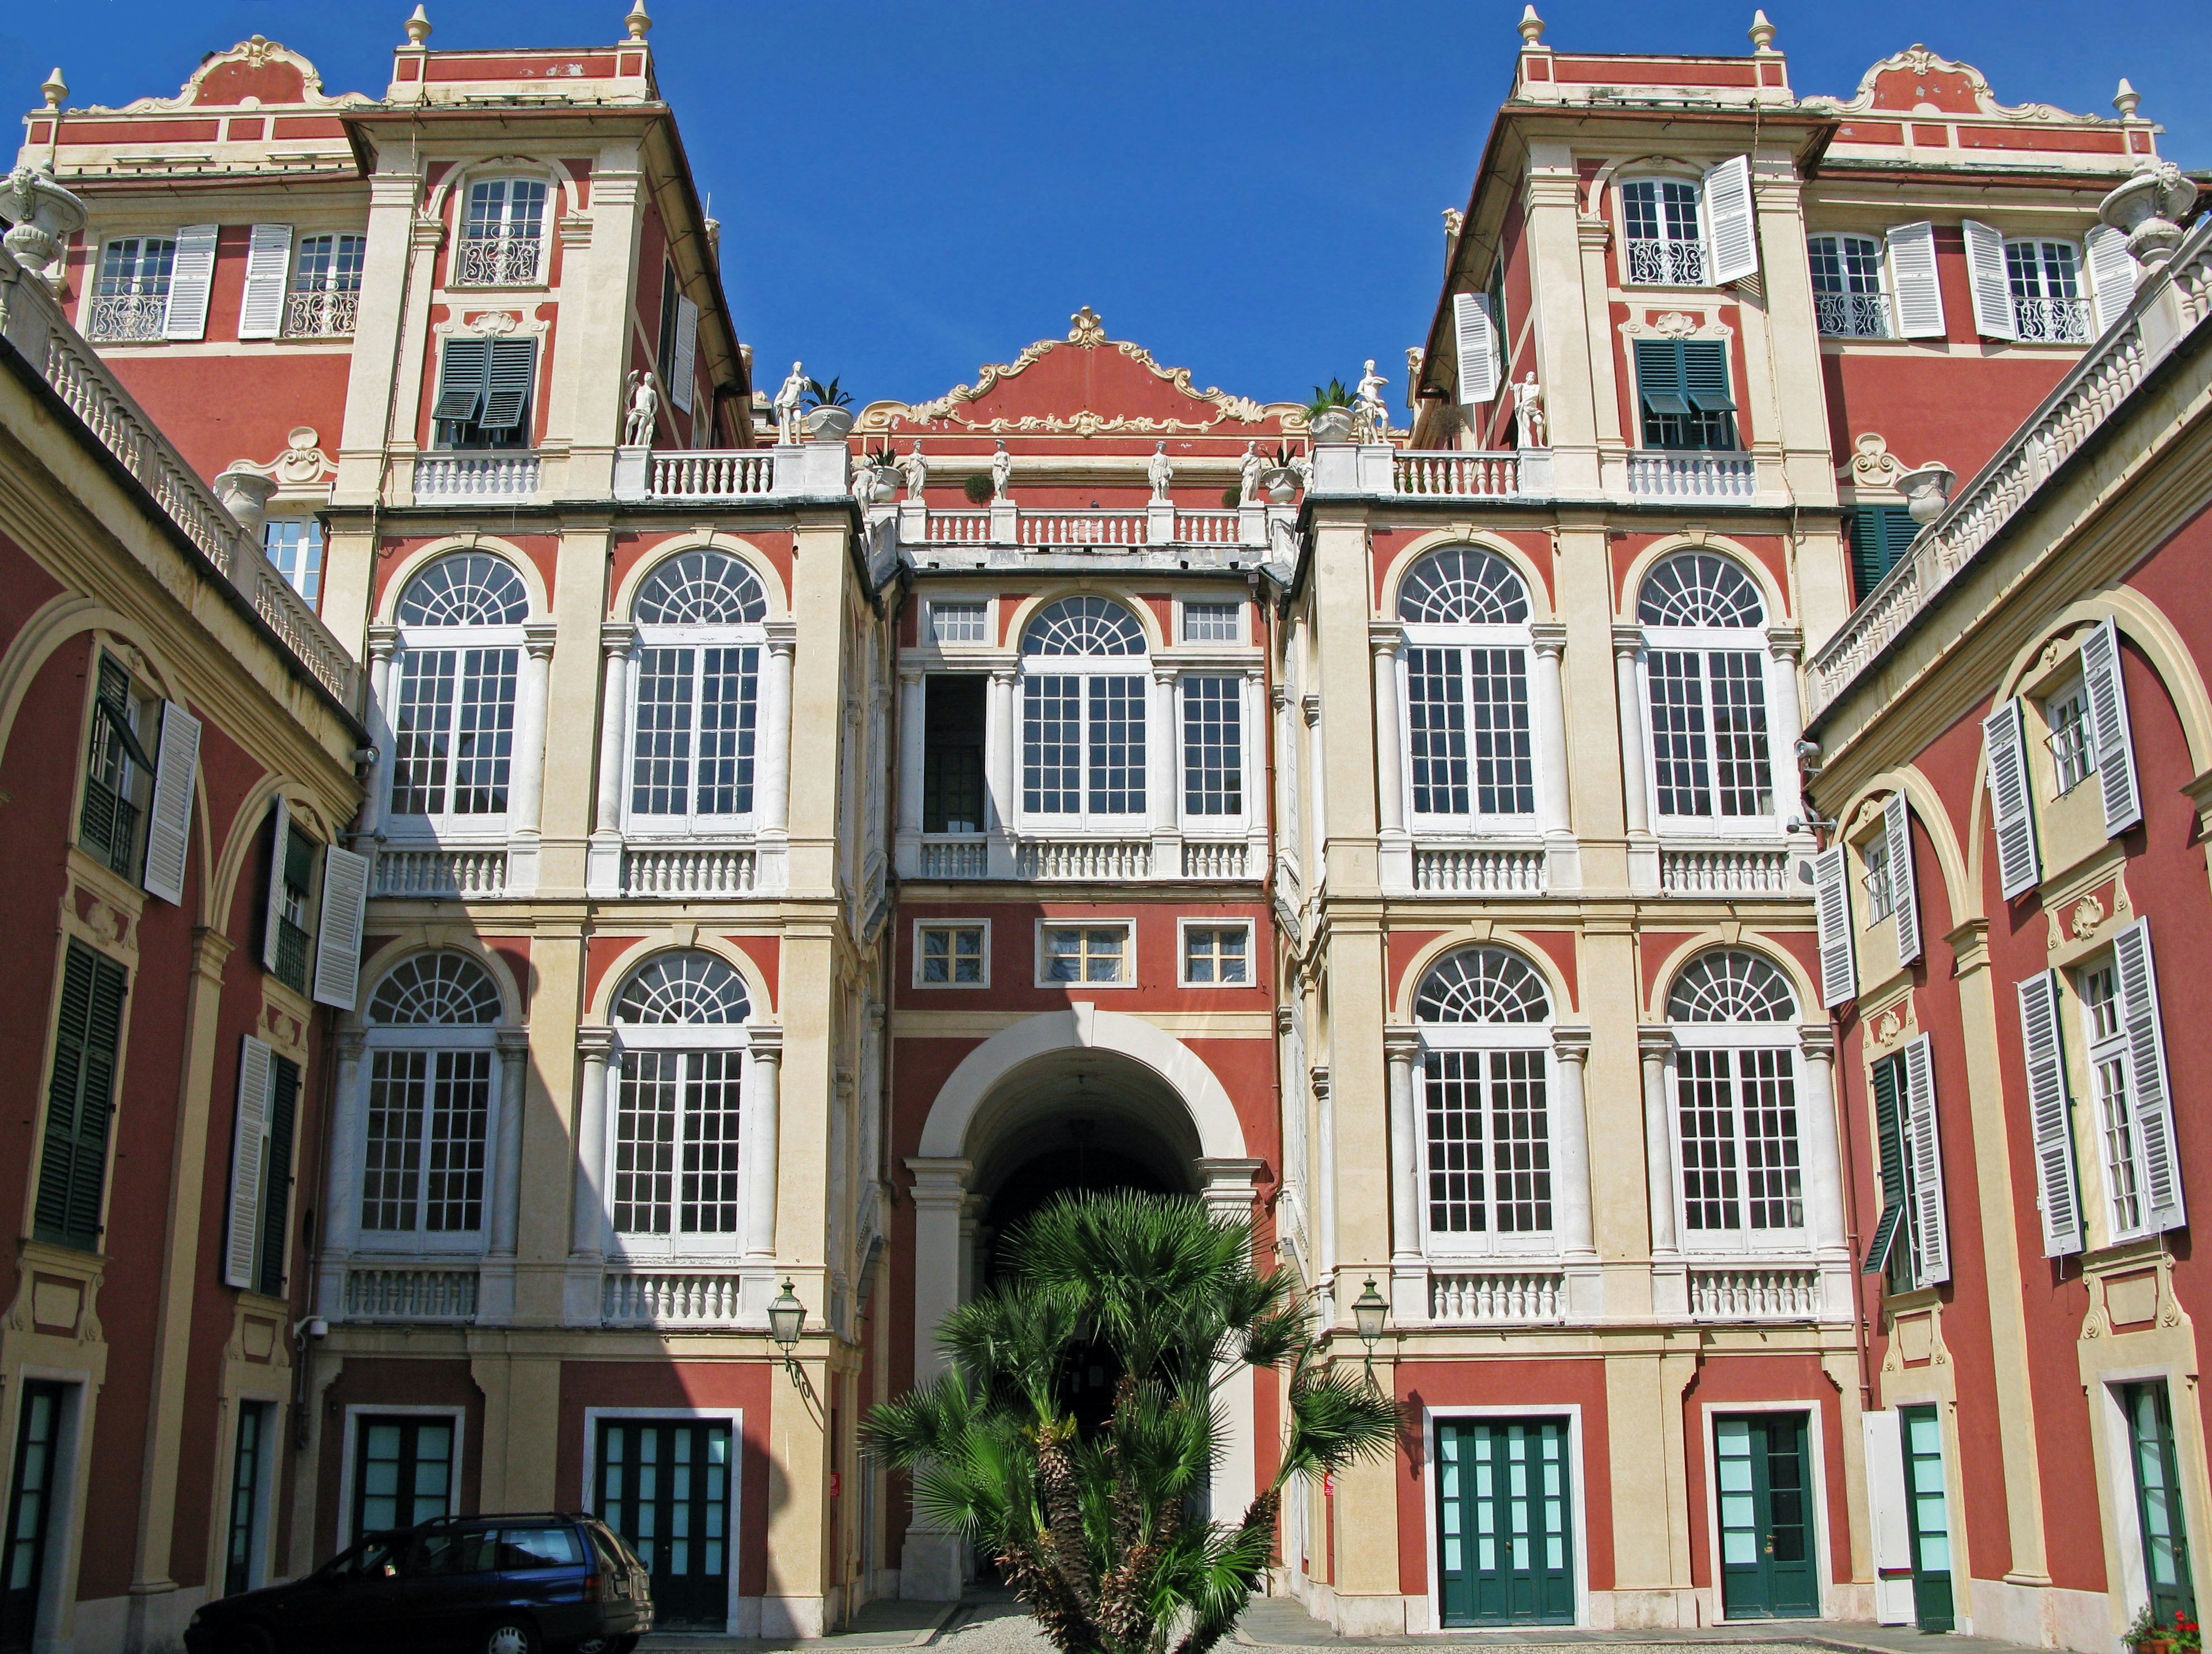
276,1174
507,395
1660,391
1881,536
461,380
1889,1142
79,1097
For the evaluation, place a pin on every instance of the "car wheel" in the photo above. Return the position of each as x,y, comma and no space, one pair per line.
508,1637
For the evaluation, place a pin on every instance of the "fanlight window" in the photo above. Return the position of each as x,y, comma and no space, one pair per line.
442,989
1729,986
683,989
701,588
1697,589
472,588
1463,586
1482,984
1084,626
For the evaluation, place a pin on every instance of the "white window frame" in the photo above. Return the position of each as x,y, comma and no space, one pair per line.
155,302
428,1038
922,927
2072,762
1127,926
1535,1037
1424,634
311,532
1236,606
929,637
464,191
1703,1244
1875,878
1087,822
691,824
1232,824
450,825
1702,241
633,1246
1852,304
1704,642
2072,327
1577,1524
1185,926
323,304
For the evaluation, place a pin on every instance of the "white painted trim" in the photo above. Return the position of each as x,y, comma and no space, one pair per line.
348,1446
735,1418
1815,1450
57,1584
1578,1517
1182,956
2134,1583
921,925
1128,925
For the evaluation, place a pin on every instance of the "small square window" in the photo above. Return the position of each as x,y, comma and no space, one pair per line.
1881,899
1097,955
1215,956
295,544
2073,752
1211,622
952,956
959,623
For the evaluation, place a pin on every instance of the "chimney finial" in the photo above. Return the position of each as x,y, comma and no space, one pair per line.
2125,100
56,89
639,22
419,27
1532,27
1762,32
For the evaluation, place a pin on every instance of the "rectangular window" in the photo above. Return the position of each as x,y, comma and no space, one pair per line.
80,1100
1874,857
403,1472
485,392
677,1140
428,1117
1881,536
1848,300
290,916
952,753
1737,1111
1116,740
502,234
1052,744
1666,246
952,956
697,711
1216,955
1489,1142
241,1566
959,622
1098,954
453,735
2047,304
2072,749
1083,744
33,1490
1708,733
1214,746
131,296
2160,1524
325,300
119,772
1212,623
1683,386
1435,700
295,546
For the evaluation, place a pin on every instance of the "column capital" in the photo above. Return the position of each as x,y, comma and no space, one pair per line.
766,1040
350,1041
538,637
1401,1042
383,640
1627,640
908,674
1164,673
594,1042
1310,705
1655,1039
1006,671
782,636
1317,1076
1384,636
1550,637
1283,1017
211,952
939,1182
426,234
1788,642
515,1041
1818,1041
616,636
1572,1044
1278,695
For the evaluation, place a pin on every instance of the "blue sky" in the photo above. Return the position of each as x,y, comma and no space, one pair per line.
1252,190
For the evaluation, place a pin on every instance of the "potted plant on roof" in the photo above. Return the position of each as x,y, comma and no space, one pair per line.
1280,478
1328,415
884,462
827,411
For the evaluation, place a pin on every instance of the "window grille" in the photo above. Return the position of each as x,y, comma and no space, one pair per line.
1848,301
1465,586
2047,303
1666,246
502,234
683,988
433,988
131,297
325,300
1481,984
700,588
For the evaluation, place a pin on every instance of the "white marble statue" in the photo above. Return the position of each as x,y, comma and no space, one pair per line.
1002,470
1372,409
1247,475
1160,471
644,409
915,469
863,485
1529,412
786,405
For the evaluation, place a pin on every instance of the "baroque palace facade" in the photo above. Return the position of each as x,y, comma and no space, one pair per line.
759,852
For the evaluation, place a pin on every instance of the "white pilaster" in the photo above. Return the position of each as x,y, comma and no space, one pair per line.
1254,728
1324,1189
762,1132
1409,1274
1824,1178
1670,1286
1635,780
1001,742
912,728
1394,847
525,792
1228,1195
772,771
602,857
1164,798
1317,796
1785,720
342,1197
1570,1179
587,1218
935,1563
382,642
496,1286
1547,735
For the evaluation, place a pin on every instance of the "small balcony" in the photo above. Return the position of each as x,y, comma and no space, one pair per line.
1853,315
439,875
1755,1291
1725,871
1084,860
127,318
1658,475
1453,475
321,313
410,1293
505,478
1151,532
499,261
2051,321
1666,264
672,1298
1503,1296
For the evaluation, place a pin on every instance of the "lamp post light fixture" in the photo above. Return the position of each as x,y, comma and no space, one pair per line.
1368,1312
785,1316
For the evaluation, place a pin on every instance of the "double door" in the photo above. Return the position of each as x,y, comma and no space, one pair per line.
664,1486
1504,1522
1764,1480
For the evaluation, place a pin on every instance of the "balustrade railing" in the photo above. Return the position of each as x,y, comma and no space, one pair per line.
1081,528
672,1299
1505,1298
1754,1292
498,261
1209,528
409,1294
722,872
955,858
730,474
1083,858
1667,264
1450,475
127,318
1217,858
324,313
1660,476
1440,872
1853,315
439,875
495,478
959,527
1725,872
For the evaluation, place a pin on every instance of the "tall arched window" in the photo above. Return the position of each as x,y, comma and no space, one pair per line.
1485,1064
1734,1019
680,1026
1705,681
695,716
1083,689
1468,755
430,1076
503,242
453,701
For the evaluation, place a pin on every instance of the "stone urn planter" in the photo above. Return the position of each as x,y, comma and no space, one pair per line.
1332,425
244,495
1281,483
2145,209
827,424
1927,491
42,215
886,485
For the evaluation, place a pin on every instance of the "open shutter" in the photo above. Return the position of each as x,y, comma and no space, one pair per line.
1887,1524
2111,274
1729,220
2148,1089
1659,377
1985,267
1912,273
685,365
169,823
1931,1245
277,1176
337,940
2108,724
249,1134
1705,376
506,392
268,264
1831,908
2004,738
2051,1112
461,379
80,1098
1905,894
191,278
272,900
1475,340
1889,1149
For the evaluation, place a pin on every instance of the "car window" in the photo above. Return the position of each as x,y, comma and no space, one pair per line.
450,1551
539,1548
378,1554
608,1536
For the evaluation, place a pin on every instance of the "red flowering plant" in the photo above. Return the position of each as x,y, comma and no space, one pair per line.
2185,1638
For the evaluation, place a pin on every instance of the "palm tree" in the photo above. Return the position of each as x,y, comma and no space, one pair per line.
1099,1530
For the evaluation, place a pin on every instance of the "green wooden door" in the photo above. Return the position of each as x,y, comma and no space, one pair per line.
1506,1548
2159,1517
1929,1517
30,1510
665,1486
1765,1483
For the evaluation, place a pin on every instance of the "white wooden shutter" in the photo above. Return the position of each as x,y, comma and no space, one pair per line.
191,278
2051,1113
1904,894
1476,344
1886,1522
2111,274
1986,265
2109,727
2149,1092
2012,813
256,1078
338,927
1923,1152
169,822
268,267
1832,909
1729,220
1912,273
272,909
684,366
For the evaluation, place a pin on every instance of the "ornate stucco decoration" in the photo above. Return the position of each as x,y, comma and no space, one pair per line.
2088,912
1873,465
1918,59
1676,324
255,52
1086,331
302,465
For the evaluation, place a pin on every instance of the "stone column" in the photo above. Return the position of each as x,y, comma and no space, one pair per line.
935,1560
772,773
1669,1284
1409,1276
1823,1166
603,858
383,641
1572,1196
913,707
1395,849
1228,1194
526,790
1001,743
1324,1189
1548,728
1785,722
763,1101
1164,796
1253,723
342,1196
496,1281
1635,781
1317,795
587,1217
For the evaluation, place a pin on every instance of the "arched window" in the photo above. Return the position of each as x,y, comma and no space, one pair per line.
1734,1018
453,694
1665,239
1849,299
1468,756
503,242
678,1117
1083,689
426,1119
1706,670
695,716
1485,1071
